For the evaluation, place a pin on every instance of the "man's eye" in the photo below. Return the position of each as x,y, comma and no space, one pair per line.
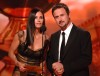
56,17
62,14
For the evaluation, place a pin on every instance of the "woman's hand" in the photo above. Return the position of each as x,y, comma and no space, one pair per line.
21,66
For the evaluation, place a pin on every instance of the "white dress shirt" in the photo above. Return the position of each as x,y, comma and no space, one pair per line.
67,32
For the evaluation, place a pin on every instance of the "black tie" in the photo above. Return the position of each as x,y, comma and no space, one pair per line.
62,46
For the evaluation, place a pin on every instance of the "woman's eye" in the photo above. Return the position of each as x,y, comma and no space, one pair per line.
41,17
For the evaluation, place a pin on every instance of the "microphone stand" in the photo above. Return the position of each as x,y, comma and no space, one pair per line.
42,52
42,29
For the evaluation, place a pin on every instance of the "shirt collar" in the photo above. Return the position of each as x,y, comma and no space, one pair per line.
68,29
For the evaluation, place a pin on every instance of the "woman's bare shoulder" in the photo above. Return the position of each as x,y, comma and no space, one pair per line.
21,33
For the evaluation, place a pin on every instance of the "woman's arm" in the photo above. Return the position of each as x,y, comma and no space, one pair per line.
13,48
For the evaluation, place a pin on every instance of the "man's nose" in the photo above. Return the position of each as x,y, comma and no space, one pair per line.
59,18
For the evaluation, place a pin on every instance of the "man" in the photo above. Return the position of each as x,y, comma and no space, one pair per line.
70,50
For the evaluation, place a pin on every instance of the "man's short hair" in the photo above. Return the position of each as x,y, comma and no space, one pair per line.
60,5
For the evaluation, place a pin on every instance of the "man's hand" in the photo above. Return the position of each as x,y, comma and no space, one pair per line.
58,68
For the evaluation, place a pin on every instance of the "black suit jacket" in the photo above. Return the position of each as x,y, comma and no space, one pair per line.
77,53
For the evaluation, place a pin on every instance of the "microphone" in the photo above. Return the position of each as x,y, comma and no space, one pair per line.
43,29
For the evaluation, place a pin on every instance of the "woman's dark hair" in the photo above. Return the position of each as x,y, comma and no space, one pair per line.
60,5
31,25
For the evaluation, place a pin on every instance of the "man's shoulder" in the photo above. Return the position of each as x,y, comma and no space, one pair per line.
80,29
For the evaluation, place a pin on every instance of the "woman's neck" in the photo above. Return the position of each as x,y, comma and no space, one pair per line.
37,33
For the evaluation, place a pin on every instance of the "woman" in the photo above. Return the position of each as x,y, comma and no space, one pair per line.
31,44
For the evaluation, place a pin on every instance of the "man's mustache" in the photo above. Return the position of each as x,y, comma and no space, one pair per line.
60,22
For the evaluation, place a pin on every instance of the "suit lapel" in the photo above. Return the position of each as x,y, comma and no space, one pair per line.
70,39
57,45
